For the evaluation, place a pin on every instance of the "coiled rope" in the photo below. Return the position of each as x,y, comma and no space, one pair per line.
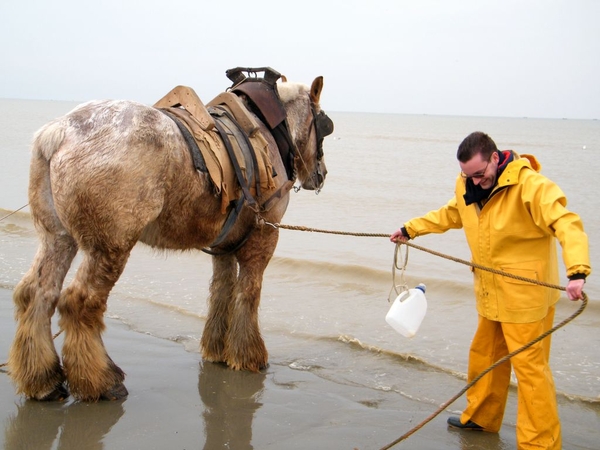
442,407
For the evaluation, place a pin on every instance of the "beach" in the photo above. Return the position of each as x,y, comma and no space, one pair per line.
178,402
339,377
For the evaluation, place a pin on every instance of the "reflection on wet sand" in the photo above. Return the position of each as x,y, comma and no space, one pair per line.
46,425
230,398
471,440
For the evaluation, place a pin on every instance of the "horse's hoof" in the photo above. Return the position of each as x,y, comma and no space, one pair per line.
59,394
117,392
263,369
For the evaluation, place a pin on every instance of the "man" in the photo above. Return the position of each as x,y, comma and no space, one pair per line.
511,215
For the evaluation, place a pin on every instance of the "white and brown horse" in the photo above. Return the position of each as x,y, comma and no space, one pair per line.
112,173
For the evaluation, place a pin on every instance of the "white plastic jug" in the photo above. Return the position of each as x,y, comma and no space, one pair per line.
407,311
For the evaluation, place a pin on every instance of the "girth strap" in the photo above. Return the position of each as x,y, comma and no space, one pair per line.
227,226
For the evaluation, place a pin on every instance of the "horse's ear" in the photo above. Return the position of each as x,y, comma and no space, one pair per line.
315,89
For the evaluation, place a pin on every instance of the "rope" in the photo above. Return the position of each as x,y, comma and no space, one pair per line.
317,230
584,302
14,212
418,247
395,267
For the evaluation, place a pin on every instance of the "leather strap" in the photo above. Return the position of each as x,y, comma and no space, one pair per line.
197,158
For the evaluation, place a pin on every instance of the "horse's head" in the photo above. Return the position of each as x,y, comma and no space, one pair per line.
308,126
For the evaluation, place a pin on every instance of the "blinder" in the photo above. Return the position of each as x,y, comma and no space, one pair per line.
323,127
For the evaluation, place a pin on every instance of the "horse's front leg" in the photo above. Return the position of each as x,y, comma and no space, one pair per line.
219,306
91,373
244,345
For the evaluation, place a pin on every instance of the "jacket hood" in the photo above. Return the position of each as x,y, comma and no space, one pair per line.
510,175
535,164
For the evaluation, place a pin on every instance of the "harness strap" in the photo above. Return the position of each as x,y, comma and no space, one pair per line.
197,158
264,101
227,129
277,195
266,104
286,148
227,226
242,137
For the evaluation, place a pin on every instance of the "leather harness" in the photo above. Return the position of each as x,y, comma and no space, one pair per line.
237,129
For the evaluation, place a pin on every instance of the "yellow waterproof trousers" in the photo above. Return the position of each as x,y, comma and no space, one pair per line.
538,425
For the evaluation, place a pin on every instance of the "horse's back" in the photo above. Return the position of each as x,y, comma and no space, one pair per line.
108,165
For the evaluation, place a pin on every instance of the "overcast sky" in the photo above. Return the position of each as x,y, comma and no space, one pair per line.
516,58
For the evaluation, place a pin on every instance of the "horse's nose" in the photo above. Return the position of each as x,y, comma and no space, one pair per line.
316,180
323,172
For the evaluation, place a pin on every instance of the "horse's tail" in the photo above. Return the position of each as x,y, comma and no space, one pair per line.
46,142
48,139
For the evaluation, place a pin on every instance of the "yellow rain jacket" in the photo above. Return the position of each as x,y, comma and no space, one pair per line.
514,232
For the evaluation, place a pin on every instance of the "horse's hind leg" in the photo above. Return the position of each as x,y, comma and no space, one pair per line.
219,305
34,364
91,373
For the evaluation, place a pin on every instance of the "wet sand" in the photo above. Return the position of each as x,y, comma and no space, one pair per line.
178,402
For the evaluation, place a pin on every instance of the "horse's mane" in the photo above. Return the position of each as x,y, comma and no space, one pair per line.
289,92
295,99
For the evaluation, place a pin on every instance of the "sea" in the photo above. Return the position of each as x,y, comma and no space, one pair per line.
325,295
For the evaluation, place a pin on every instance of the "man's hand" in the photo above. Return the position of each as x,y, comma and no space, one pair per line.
398,235
575,289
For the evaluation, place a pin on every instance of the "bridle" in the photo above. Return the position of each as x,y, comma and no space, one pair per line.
322,126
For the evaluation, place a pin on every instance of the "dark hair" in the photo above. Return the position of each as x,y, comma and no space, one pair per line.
476,142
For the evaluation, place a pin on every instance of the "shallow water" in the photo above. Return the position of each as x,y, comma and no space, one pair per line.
324,293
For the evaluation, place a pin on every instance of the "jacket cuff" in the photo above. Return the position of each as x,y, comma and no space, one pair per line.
405,233
578,276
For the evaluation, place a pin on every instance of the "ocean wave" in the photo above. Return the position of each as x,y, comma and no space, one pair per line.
412,359
360,275
325,269
404,357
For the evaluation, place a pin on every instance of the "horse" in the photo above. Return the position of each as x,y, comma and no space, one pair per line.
112,173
